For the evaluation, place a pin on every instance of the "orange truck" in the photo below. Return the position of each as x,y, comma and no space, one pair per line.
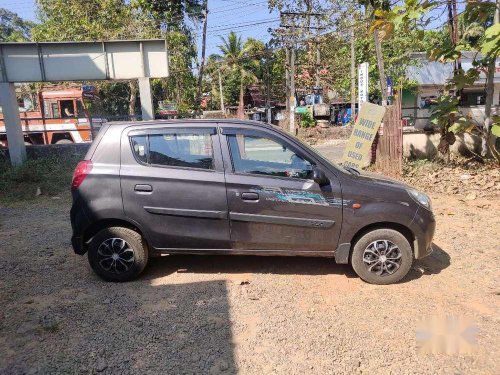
62,117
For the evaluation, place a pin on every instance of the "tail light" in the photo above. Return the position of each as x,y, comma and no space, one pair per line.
81,171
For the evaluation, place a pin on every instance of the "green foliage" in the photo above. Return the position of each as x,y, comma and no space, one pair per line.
495,130
239,63
446,115
169,14
495,127
52,175
122,19
491,44
13,28
82,20
464,78
307,120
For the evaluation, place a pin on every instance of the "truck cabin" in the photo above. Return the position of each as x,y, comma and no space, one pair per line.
58,117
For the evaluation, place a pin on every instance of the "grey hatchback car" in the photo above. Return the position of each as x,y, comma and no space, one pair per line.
237,187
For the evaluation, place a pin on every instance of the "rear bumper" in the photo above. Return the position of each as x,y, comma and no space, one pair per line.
423,227
77,244
79,222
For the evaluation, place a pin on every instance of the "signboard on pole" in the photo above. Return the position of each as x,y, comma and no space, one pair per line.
362,83
359,145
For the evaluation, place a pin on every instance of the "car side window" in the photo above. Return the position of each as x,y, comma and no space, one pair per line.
262,155
174,150
140,148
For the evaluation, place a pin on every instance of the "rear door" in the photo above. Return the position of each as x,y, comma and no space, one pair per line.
173,185
273,202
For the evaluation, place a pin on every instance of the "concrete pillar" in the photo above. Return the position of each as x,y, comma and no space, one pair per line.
10,109
146,99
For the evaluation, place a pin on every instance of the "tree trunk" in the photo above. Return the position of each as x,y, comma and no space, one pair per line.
490,76
241,109
133,99
380,64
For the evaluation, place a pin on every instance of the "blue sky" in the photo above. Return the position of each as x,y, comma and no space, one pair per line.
248,18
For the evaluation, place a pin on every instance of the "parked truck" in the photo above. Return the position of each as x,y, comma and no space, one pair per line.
60,115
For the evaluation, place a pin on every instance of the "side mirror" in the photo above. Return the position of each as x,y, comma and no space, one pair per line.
320,178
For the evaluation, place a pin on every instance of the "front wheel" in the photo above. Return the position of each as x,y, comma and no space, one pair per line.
382,256
118,254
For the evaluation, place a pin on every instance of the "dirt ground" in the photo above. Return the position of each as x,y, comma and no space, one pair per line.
249,315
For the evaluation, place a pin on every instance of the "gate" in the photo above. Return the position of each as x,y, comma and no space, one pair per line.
389,154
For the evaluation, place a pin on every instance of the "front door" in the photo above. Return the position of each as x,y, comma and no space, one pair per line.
273,202
173,185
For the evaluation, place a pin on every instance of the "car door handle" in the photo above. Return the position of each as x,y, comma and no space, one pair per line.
250,196
143,188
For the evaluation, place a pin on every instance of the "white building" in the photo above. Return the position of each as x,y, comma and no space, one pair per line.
431,77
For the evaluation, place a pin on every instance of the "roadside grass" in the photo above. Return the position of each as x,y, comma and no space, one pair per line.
51,175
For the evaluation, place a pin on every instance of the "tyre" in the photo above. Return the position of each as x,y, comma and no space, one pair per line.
382,256
118,254
64,141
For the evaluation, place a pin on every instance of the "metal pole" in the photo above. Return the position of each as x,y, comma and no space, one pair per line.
203,49
268,93
353,77
292,90
223,109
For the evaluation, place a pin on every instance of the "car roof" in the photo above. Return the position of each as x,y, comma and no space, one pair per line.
193,122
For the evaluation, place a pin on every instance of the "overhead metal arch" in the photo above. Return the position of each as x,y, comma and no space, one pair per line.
76,61
81,61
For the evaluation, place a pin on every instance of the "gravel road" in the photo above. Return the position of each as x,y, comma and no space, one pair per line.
249,315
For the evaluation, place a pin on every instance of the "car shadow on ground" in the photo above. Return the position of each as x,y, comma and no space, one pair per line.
433,264
232,264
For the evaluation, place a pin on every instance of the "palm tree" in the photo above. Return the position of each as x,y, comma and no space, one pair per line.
240,58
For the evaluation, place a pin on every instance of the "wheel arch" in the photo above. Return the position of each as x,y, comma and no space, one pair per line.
97,226
344,251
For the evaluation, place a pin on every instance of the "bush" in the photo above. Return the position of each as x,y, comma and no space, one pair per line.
52,175
307,120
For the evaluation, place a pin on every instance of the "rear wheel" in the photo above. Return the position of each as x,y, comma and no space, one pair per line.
382,256
118,254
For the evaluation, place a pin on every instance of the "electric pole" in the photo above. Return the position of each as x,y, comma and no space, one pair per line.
353,76
203,48
318,57
292,90
222,108
268,89
290,43
287,77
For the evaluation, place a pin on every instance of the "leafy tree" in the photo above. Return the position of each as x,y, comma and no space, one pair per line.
81,20
122,19
241,60
477,31
13,28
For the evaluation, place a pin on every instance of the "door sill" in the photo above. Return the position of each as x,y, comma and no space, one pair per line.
292,253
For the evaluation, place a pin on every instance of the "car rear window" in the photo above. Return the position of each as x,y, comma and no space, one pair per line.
174,150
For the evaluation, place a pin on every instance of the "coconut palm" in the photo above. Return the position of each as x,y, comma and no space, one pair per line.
241,58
